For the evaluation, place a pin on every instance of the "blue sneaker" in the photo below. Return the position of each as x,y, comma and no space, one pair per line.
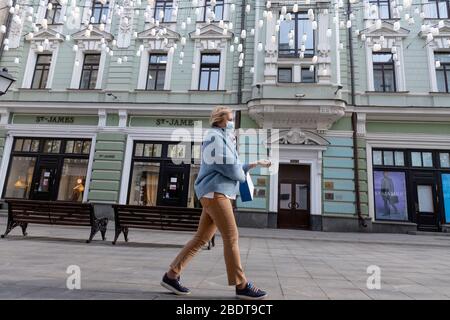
174,285
250,292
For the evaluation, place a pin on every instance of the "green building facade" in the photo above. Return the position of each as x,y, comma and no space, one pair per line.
112,99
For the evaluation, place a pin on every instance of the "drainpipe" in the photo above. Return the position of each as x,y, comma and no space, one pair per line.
354,123
241,70
8,26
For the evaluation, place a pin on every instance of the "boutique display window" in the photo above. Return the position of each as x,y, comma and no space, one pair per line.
163,174
412,186
47,169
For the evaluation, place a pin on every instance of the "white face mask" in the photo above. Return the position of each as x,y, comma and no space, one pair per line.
230,125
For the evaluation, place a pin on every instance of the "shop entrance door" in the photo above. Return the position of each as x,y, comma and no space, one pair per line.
173,186
44,186
294,196
426,204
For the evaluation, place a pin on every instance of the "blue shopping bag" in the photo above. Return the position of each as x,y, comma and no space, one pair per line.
246,189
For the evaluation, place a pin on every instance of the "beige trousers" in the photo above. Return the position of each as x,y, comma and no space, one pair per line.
217,214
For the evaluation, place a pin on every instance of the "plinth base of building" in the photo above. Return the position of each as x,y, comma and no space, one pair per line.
393,227
335,223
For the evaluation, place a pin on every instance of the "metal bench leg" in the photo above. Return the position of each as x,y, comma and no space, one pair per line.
10,225
24,226
117,234
103,225
125,234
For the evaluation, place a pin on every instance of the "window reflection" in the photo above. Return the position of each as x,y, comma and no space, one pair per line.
73,177
20,176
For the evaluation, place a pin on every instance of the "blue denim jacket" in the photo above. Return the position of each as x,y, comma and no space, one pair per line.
220,169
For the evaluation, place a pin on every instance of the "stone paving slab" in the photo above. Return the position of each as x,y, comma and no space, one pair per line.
289,264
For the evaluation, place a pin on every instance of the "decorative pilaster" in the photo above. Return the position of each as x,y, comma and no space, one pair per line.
125,25
323,50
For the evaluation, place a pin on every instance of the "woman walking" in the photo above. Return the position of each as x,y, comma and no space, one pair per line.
217,183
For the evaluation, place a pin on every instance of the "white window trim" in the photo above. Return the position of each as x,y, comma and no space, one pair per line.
226,12
387,46
31,63
431,48
77,70
152,14
88,6
197,60
143,68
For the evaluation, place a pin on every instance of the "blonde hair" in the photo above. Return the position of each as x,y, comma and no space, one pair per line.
218,115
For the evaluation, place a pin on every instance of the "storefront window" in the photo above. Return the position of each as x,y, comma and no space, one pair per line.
446,192
73,178
48,169
388,158
52,146
444,158
20,177
193,202
390,195
153,150
422,159
144,184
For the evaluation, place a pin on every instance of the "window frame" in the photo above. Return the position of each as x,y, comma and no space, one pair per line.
104,9
438,11
278,75
219,3
44,69
209,66
56,7
383,72
158,68
445,68
377,3
296,49
90,70
164,8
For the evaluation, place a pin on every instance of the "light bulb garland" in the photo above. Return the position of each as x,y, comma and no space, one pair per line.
408,12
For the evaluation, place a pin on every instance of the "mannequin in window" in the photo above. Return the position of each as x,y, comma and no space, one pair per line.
77,191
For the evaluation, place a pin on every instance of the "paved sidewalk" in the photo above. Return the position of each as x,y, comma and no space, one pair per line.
290,264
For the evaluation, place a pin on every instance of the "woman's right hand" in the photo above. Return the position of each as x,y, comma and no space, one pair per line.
265,163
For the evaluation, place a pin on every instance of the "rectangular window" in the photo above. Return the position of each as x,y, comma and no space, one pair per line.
438,9
99,12
163,10
384,72
20,176
144,184
41,71
78,146
388,158
217,9
444,159
446,193
285,75
73,179
52,146
383,6
422,159
209,71
156,72
296,36
308,76
53,16
443,71
89,72
390,195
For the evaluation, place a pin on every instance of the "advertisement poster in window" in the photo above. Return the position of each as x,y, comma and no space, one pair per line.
446,191
390,195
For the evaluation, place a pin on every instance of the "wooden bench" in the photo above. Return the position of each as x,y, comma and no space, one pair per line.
23,212
156,217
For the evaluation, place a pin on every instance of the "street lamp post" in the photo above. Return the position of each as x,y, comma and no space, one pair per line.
6,80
